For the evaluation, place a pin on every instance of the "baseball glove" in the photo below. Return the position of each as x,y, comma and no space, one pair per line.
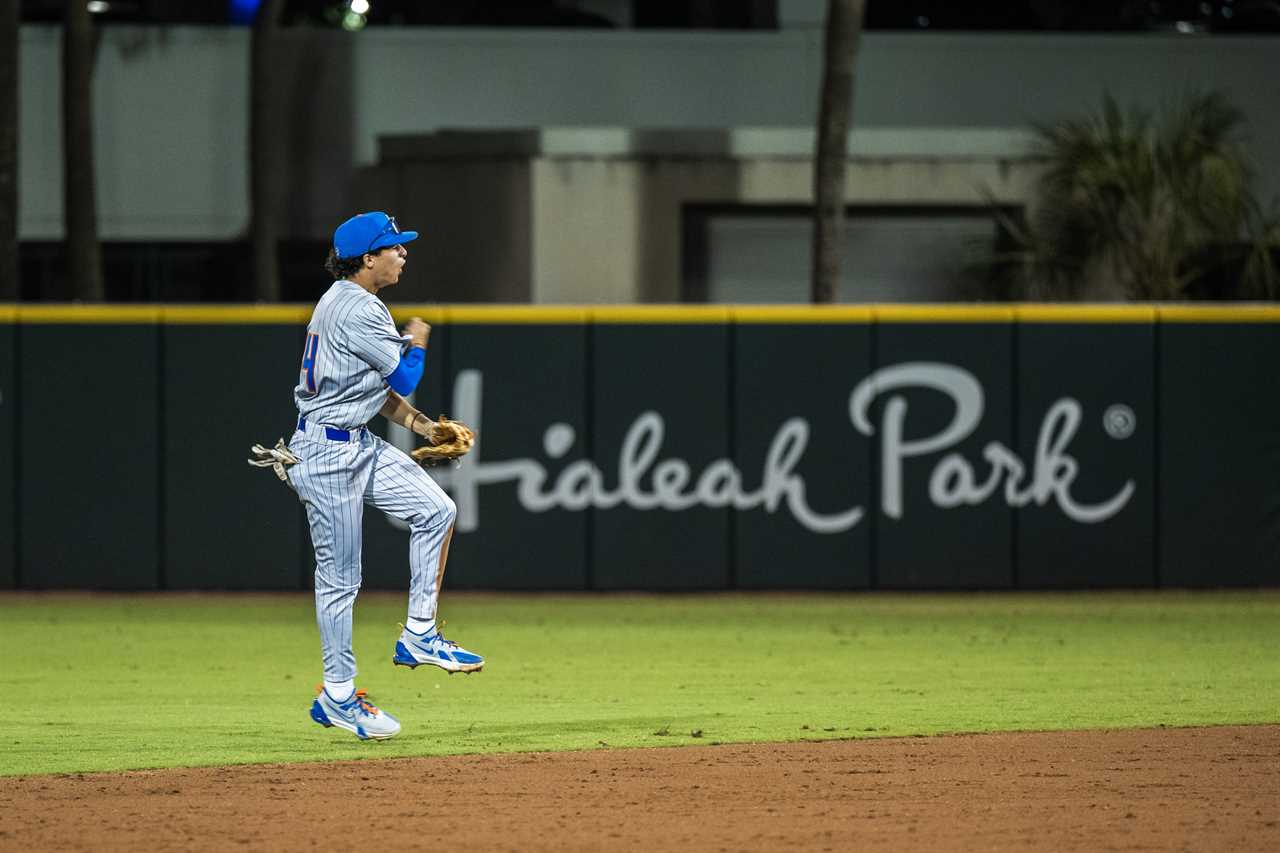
449,440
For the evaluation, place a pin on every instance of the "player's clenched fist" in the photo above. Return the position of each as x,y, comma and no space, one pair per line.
418,330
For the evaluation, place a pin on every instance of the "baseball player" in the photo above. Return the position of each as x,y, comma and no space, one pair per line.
355,365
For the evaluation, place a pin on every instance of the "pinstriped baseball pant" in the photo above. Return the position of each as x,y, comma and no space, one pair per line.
334,480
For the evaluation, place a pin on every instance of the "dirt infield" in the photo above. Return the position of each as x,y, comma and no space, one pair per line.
1165,789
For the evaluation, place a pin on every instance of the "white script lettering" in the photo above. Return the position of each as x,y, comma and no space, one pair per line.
647,482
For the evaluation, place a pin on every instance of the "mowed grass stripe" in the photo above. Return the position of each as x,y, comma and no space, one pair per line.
110,682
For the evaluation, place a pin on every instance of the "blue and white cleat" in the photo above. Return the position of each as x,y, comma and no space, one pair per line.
413,650
357,715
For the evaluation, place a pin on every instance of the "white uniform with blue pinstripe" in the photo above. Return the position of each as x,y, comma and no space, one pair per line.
352,345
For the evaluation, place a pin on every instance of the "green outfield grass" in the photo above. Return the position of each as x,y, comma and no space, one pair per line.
107,682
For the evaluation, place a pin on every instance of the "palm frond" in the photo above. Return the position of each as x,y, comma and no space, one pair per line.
1261,276
1142,201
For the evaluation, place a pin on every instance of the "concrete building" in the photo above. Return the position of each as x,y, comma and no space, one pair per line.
608,165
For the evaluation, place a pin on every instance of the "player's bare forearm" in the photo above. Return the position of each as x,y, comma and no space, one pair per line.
397,410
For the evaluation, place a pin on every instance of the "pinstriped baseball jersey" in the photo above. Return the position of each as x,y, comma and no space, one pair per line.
351,347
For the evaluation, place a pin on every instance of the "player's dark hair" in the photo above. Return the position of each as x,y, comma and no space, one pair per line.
341,268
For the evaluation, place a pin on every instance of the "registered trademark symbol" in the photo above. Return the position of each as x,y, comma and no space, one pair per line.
1119,421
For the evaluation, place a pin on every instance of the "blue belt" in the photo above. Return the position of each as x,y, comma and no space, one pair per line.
331,433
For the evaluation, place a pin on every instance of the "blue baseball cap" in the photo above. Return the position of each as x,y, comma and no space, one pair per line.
368,232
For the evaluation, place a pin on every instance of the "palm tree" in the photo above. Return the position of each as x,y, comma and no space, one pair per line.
9,150
84,251
843,27
266,171
1144,208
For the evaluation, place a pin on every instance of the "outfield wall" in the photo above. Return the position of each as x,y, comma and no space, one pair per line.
651,447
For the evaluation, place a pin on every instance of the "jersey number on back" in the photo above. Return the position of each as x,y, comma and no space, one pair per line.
309,361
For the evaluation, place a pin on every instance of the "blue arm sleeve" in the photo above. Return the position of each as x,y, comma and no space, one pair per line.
408,372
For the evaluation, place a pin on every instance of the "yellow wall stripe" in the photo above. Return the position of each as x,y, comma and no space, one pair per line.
1052,313
432,314
1218,313
246,314
502,314
943,313
801,313
46,313
661,314
75,314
